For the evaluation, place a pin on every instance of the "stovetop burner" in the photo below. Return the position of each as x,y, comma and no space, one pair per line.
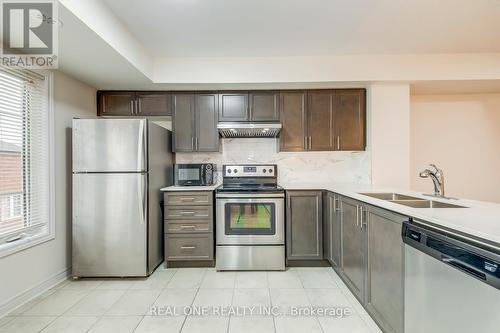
250,178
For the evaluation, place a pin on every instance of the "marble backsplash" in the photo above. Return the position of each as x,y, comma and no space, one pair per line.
345,167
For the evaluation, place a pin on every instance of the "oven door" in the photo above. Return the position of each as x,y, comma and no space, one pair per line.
258,219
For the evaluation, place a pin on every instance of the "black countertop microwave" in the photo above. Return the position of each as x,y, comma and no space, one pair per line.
194,174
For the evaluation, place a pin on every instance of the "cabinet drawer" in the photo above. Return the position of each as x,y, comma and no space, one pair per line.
187,226
188,212
189,247
188,198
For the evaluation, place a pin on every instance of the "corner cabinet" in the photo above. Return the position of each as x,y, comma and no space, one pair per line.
127,103
304,225
323,120
249,106
195,119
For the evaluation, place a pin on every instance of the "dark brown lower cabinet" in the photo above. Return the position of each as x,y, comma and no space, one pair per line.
304,225
385,269
189,236
334,229
353,247
372,260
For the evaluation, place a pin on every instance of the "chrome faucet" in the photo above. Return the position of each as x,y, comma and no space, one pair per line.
437,177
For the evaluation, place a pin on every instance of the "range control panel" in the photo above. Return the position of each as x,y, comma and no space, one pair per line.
254,170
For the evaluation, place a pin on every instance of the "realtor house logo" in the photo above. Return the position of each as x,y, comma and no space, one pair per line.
29,34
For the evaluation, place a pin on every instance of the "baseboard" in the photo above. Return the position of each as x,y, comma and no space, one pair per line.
308,263
33,292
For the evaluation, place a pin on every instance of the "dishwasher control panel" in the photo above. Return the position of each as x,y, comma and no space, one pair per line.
466,255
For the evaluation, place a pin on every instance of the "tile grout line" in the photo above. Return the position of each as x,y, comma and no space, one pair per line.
194,298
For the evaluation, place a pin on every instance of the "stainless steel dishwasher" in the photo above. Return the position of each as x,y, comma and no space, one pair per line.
452,282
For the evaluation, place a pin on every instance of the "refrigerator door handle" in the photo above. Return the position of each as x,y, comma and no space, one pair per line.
141,148
141,196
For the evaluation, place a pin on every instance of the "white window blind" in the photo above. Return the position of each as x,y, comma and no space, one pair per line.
25,157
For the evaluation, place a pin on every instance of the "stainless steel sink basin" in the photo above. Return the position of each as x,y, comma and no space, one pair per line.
425,204
390,196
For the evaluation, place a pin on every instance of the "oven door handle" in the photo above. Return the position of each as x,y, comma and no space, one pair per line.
249,196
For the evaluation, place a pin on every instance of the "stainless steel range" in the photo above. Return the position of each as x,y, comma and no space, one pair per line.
250,225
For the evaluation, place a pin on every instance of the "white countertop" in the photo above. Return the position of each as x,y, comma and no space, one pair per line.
190,188
479,219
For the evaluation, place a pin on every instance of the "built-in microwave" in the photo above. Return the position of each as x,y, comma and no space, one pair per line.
194,174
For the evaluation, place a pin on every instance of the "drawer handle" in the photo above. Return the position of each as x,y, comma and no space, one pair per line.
188,226
186,213
187,199
188,247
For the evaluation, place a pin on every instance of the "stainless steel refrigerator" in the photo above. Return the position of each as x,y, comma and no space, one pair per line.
119,166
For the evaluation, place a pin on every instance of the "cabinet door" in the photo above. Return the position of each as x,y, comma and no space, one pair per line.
233,106
264,106
293,121
335,230
385,273
115,103
154,104
320,120
353,258
304,225
184,130
326,226
349,119
207,135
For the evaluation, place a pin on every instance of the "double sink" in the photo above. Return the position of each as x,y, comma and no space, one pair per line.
410,201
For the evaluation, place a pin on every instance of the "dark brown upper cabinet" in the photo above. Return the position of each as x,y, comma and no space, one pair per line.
349,119
293,120
320,120
233,106
249,106
323,120
115,103
206,109
154,104
264,106
195,122
129,103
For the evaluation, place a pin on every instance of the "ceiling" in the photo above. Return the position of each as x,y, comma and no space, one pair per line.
85,56
222,28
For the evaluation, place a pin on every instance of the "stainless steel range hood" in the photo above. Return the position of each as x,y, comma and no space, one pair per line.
249,130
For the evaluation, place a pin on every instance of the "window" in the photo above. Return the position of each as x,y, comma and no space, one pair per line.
25,160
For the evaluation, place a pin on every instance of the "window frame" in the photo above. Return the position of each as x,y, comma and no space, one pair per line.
49,234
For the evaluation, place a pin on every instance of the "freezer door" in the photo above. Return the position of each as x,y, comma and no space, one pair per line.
109,145
109,224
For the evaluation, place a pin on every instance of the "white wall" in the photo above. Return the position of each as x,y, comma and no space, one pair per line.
461,134
390,134
32,270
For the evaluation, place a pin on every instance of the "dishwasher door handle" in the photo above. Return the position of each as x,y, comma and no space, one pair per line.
464,268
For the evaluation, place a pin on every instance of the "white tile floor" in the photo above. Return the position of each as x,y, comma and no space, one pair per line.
129,305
